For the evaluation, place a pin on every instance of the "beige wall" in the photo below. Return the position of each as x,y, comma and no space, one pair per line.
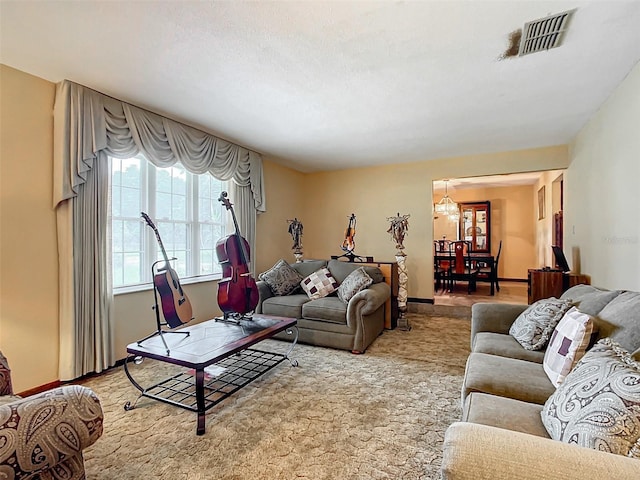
28,245
376,193
284,190
512,221
602,220
544,226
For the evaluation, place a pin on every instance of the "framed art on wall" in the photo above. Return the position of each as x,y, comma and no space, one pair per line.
541,203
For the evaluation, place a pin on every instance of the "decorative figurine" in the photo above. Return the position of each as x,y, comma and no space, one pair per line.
349,244
295,230
398,229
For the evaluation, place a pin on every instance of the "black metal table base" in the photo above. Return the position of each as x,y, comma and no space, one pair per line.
198,390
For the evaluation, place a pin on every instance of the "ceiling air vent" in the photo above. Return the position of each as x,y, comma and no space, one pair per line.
544,33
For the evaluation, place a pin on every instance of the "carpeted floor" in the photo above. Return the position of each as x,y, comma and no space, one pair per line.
381,415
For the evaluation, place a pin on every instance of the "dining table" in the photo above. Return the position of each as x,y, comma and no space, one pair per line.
485,258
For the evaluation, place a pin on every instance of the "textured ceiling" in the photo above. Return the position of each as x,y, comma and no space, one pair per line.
330,85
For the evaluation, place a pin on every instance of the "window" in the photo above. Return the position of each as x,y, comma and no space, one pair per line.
185,209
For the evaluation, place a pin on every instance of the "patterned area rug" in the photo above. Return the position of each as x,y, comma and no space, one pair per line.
381,415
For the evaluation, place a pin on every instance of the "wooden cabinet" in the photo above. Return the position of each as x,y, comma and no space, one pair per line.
551,283
475,225
390,272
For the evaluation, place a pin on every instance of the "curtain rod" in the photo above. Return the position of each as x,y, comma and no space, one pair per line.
163,116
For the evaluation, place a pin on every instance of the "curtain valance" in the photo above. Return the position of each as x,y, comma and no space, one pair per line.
94,122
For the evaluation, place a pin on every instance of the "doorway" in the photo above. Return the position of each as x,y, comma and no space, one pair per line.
514,221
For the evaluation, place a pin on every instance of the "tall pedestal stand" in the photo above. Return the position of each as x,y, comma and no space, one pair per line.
298,254
403,321
156,308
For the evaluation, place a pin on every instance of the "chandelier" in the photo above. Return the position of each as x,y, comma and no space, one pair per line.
446,206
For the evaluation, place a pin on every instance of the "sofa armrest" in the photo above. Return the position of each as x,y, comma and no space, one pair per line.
264,292
5,377
474,451
494,317
369,300
41,431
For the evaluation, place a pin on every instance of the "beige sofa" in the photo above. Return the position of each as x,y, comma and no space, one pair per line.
43,436
501,434
328,321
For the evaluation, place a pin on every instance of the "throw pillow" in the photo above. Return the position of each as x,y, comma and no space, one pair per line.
598,404
281,278
568,344
357,280
319,284
534,326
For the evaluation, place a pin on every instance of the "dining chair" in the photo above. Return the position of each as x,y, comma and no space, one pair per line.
442,261
489,271
462,267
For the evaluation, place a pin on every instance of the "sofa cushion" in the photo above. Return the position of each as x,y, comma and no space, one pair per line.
504,346
285,306
589,299
503,412
307,267
327,309
355,281
620,320
533,327
506,377
340,270
281,278
319,284
598,404
578,292
568,344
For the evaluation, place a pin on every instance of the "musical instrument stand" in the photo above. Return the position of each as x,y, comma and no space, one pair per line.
353,258
234,318
156,307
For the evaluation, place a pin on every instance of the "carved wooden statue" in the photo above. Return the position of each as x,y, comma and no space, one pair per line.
295,230
398,229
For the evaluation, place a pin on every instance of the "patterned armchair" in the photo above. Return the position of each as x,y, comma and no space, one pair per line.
42,436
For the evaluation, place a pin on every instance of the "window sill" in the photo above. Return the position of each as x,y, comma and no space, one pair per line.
142,287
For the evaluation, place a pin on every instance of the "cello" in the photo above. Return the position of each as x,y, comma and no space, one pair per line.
237,290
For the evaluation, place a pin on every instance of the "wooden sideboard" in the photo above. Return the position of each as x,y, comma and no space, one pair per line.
551,283
390,272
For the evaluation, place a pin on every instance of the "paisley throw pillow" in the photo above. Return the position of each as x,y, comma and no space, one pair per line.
357,280
598,404
281,278
533,327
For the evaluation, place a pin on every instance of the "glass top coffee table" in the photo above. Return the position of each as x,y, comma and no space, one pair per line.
219,357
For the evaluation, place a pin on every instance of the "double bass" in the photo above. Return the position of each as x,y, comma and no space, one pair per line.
237,291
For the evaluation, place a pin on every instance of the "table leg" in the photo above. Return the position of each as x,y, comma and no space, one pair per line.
200,401
493,277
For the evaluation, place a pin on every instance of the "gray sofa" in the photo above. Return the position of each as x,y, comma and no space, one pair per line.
501,434
328,321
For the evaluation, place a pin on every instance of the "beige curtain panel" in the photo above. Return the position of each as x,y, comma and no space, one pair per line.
92,122
89,127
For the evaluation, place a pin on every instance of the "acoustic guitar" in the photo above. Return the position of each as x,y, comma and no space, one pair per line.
176,307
